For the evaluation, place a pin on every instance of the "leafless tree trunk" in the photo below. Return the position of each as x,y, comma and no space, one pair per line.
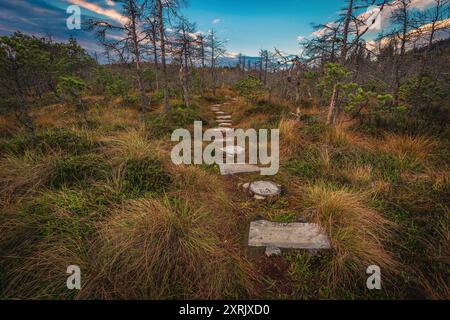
137,54
335,96
162,41
130,43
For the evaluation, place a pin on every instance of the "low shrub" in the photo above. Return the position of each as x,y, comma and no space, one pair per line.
63,140
75,170
179,117
145,175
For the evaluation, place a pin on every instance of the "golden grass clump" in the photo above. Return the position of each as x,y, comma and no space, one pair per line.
194,184
129,144
418,147
165,249
8,126
357,233
54,116
290,140
359,175
20,175
254,122
116,117
342,136
42,274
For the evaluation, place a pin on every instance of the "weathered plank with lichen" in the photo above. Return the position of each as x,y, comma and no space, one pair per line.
237,168
233,150
287,235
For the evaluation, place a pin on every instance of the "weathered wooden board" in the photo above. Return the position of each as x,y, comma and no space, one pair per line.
237,168
223,130
233,150
225,140
223,117
287,235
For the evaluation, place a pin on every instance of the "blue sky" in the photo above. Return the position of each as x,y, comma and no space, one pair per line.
251,25
248,25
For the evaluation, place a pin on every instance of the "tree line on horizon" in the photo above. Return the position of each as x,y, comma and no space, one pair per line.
400,83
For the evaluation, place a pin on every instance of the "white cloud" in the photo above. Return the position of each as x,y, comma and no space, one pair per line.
109,13
389,8
231,55
325,30
216,21
110,3
382,17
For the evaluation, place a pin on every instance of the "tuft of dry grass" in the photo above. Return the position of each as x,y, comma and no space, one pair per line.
435,285
116,117
42,275
165,249
291,141
325,158
8,126
21,175
254,122
129,144
193,184
359,175
54,116
357,233
418,147
342,136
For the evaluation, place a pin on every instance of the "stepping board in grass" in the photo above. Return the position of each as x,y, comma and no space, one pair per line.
287,235
233,150
223,130
237,168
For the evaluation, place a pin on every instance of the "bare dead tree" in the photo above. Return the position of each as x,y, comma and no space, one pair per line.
400,36
131,39
184,40
152,30
200,45
217,50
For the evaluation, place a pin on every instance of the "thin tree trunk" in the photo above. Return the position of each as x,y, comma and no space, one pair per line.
163,56
155,59
202,75
332,108
334,98
144,99
186,77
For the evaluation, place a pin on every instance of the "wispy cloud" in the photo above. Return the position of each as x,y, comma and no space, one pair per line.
109,13
216,21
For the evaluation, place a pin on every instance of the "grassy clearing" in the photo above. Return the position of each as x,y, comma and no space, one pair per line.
108,199
167,249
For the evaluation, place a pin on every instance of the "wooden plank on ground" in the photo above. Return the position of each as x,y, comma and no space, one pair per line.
287,235
237,168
